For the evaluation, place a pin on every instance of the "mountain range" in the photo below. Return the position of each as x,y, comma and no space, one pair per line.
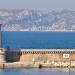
36,20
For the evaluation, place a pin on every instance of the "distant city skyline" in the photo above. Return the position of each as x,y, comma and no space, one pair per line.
44,5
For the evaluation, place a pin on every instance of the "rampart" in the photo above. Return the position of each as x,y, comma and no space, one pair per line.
45,57
41,55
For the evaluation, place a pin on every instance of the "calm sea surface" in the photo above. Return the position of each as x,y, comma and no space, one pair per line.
38,72
19,40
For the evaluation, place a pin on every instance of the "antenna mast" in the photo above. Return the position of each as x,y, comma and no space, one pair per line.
0,37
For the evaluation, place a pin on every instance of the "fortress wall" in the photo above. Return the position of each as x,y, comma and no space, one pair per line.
49,56
41,56
35,58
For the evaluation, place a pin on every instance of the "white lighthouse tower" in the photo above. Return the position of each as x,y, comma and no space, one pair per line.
2,50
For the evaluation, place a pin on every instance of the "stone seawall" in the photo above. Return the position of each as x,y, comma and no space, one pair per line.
18,65
35,58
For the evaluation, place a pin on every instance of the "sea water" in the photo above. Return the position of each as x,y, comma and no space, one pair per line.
41,40
46,71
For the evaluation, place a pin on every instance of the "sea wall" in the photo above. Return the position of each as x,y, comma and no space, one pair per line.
41,56
47,55
36,57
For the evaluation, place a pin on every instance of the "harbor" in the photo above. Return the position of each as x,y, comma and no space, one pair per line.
36,58
37,37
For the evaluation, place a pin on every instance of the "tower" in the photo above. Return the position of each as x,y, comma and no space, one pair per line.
2,50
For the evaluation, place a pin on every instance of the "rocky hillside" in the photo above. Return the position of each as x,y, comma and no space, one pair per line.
33,20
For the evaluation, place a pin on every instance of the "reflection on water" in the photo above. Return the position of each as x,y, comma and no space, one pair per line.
46,71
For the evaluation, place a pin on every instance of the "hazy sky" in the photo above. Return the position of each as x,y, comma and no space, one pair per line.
44,5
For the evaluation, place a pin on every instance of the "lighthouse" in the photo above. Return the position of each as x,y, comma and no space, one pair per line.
2,50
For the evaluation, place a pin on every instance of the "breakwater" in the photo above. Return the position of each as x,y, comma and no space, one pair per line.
36,58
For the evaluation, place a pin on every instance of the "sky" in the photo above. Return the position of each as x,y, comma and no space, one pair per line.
44,5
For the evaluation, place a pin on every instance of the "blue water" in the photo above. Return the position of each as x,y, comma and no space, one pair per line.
38,72
19,40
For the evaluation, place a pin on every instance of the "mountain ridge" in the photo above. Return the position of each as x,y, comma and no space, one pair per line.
35,20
